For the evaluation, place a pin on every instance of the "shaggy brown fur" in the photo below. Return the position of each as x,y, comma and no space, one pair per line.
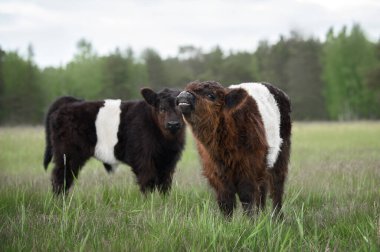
231,141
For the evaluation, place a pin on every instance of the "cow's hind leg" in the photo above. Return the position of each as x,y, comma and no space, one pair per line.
278,174
65,171
277,191
263,196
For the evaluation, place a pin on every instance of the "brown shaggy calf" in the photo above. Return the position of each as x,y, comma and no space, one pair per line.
148,135
243,137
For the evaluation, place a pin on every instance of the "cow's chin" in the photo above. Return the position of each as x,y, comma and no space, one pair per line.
172,132
189,117
185,108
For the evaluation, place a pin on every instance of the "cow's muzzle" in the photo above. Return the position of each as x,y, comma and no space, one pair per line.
185,101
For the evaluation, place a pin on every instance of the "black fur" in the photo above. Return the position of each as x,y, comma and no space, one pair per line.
145,142
56,105
234,97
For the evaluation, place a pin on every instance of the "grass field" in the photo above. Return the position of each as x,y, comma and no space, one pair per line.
332,201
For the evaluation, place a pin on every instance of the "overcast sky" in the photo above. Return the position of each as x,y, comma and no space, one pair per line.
53,27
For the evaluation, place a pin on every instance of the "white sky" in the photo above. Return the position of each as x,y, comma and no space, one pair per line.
53,27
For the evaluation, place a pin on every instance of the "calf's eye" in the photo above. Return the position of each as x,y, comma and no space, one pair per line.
211,96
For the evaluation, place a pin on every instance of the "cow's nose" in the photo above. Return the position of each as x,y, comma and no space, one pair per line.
173,125
184,98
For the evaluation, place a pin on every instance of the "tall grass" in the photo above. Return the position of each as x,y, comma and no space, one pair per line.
331,201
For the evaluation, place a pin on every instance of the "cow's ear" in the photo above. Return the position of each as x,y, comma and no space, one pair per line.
149,95
234,97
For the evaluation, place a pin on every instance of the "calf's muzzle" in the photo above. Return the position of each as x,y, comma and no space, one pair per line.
185,101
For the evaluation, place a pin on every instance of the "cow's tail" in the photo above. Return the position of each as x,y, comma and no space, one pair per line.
53,107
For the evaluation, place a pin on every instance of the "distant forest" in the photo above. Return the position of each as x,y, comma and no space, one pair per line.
337,79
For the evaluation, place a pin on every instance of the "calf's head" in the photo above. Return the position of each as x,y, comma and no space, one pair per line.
207,101
168,115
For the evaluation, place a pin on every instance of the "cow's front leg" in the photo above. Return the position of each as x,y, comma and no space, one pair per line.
226,201
146,176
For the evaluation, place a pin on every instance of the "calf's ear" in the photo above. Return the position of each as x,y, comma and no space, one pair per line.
149,95
234,97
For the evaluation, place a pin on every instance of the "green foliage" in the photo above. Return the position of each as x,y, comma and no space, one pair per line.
157,73
53,83
272,62
335,79
238,68
213,65
331,201
21,97
373,82
181,72
347,60
123,76
303,73
116,75
293,64
83,76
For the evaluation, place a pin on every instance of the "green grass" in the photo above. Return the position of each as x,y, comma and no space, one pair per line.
332,201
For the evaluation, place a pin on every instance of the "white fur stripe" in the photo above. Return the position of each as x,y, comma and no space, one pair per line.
271,117
107,126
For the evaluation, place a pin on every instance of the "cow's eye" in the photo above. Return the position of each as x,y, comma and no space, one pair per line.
211,96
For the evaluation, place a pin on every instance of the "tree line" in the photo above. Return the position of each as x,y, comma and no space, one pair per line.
337,79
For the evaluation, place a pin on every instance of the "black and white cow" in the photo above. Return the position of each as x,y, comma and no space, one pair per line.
148,135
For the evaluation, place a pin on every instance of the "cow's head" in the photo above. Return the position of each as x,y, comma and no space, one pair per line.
169,118
206,101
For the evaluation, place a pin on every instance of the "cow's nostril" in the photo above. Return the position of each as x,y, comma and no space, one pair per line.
173,125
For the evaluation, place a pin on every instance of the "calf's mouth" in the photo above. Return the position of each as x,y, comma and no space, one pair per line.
185,101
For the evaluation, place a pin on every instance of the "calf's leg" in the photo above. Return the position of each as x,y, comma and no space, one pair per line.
246,192
164,180
278,176
225,191
263,196
65,171
277,190
226,202
146,176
